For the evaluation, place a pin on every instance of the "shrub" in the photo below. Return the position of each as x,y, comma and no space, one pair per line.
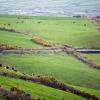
41,41
15,89
9,24
22,21
39,22
84,24
74,22
15,94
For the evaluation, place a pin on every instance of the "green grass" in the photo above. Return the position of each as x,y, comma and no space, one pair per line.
94,57
65,68
16,39
59,30
37,90
88,90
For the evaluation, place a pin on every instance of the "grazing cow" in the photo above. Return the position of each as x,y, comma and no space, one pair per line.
15,70
0,65
38,99
7,67
12,68
9,24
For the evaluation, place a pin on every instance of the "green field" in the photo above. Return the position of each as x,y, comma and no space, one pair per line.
63,67
17,39
58,30
87,90
94,57
37,90
78,32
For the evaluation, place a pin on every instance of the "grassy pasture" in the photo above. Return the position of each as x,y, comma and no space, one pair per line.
37,90
87,90
94,57
76,32
17,39
63,67
60,30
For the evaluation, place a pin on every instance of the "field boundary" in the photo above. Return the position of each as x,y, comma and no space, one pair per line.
56,49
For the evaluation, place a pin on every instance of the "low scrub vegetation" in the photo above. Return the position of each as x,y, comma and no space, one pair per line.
41,41
15,94
5,46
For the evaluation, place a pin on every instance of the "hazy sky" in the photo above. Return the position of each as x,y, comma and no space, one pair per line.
50,7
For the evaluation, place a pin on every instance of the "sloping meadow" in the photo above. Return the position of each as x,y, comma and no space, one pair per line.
78,32
63,67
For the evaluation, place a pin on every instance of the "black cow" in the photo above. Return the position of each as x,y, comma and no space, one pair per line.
0,65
